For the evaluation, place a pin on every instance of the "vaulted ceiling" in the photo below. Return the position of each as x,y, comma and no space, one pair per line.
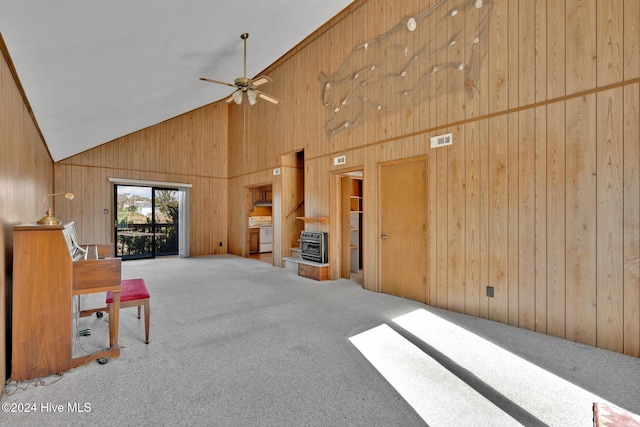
96,70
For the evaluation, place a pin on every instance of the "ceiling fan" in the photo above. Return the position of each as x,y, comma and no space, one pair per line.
244,85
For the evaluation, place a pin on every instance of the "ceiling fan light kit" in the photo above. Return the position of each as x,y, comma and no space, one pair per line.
245,85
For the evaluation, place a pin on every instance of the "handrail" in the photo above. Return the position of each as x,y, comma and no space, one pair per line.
295,209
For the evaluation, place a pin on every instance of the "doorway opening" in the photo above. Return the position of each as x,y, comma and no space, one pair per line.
292,202
260,223
146,223
350,211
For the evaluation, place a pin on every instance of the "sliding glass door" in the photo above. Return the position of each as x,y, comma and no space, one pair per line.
147,221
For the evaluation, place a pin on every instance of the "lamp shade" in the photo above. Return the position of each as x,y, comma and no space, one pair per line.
251,96
237,97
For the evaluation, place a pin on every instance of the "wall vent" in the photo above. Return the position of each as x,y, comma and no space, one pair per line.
441,140
339,160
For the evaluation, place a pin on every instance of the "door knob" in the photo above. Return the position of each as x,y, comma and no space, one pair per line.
384,236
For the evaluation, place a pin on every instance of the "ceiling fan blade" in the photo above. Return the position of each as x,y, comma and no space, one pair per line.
217,81
231,98
260,80
269,98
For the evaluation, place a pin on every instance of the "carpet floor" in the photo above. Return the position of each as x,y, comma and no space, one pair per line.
238,342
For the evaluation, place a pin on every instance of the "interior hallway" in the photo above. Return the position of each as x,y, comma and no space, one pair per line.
235,341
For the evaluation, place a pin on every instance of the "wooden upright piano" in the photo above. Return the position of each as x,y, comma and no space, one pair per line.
50,267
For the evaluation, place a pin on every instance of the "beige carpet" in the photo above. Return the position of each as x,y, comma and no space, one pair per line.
237,342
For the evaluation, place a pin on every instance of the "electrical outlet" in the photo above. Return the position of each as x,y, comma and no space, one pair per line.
220,244
490,291
276,171
339,160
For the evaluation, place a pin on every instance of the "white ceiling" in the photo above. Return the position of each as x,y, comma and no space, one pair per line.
95,70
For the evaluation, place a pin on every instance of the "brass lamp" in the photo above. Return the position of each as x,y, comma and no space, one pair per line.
49,219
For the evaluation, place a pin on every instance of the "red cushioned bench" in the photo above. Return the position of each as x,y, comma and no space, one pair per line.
134,293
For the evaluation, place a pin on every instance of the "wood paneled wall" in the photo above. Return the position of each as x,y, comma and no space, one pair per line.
26,176
538,197
188,149
539,194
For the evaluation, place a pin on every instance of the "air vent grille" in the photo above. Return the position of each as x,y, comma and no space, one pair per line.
441,140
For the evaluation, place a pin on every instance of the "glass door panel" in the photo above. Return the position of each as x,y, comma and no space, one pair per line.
165,216
134,236
147,222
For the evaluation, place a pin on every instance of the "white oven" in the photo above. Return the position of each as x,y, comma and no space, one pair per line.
266,238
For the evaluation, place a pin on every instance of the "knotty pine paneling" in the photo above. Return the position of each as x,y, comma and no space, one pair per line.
498,65
581,231
610,211
556,56
456,227
485,196
556,190
471,184
631,37
610,25
631,219
498,219
456,55
540,237
525,175
440,174
581,47
26,176
539,36
517,48
525,49
513,168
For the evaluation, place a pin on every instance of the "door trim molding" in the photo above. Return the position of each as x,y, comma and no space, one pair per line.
336,225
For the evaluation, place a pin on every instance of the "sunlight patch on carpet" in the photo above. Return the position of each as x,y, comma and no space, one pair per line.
548,397
438,396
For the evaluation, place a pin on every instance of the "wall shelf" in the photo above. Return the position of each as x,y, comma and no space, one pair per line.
308,219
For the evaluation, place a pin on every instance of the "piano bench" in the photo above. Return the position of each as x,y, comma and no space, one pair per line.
134,293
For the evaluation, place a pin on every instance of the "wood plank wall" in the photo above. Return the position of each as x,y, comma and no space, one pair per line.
189,149
538,197
26,176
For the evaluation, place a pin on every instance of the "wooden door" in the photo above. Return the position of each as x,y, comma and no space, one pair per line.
403,229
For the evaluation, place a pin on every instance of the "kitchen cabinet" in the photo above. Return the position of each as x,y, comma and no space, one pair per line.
254,240
261,196
258,196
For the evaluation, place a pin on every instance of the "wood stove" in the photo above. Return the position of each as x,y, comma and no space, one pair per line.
314,246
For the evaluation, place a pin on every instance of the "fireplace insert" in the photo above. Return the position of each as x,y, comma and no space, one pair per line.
314,246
